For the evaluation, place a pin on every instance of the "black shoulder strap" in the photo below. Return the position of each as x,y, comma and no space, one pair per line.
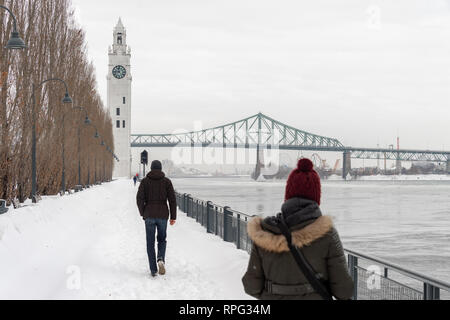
312,276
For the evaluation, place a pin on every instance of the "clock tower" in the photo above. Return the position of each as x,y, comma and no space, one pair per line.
119,99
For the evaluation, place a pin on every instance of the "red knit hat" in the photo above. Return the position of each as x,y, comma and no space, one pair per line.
304,182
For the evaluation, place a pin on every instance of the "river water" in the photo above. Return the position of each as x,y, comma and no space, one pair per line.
405,222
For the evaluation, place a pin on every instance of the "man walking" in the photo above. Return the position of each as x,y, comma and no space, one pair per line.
154,192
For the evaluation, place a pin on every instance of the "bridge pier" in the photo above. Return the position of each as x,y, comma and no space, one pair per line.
398,167
259,163
347,168
448,166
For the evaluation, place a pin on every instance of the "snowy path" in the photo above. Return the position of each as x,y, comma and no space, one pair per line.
98,235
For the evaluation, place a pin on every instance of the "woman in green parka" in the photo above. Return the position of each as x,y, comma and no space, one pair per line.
273,273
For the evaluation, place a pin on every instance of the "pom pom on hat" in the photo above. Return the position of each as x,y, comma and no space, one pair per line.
305,165
304,182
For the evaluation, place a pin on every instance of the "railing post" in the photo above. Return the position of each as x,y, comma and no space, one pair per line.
189,205
183,196
238,231
208,216
197,205
227,225
202,213
197,211
217,221
184,203
353,269
430,292
204,208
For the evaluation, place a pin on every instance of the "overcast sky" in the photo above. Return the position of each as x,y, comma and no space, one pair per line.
356,70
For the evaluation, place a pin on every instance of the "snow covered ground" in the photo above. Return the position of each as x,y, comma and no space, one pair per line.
91,245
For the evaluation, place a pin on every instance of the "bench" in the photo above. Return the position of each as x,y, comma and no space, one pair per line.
36,198
3,208
16,203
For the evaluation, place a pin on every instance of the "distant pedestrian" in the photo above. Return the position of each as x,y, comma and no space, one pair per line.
154,193
135,180
314,266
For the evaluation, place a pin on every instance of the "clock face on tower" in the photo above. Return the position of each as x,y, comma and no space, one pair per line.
119,72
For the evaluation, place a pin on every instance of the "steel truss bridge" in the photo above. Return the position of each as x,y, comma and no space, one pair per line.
402,155
260,131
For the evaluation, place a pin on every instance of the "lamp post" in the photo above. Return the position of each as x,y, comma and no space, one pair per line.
15,41
103,144
96,136
88,170
109,150
115,158
95,169
65,100
87,121
63,177
112,154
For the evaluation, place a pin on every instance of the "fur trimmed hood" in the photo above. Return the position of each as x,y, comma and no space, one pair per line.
277,243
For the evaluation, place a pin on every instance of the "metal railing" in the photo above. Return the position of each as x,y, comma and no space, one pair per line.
375,279
370,282
230,225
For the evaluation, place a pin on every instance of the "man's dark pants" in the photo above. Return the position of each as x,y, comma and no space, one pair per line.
152,226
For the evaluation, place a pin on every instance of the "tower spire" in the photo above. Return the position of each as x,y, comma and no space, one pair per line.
119,38
120,24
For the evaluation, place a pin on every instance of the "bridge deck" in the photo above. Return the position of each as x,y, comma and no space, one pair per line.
261,131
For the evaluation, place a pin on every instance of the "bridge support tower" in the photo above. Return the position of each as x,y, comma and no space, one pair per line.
347,164
448,166
398,167
259,154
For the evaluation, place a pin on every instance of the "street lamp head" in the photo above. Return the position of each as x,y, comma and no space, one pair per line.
102,144
15,42
67,99
87,121
96,135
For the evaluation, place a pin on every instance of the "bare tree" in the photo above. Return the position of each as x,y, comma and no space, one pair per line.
56,48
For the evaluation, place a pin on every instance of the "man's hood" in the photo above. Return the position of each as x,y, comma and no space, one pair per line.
156,175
